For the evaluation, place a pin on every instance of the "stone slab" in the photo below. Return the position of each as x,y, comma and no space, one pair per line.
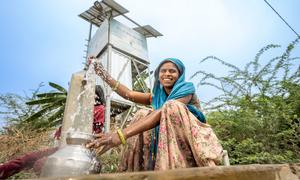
238,172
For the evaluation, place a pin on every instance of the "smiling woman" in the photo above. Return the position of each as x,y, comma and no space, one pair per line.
168,75
172,135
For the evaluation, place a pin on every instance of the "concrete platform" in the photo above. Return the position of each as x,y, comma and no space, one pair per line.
241,172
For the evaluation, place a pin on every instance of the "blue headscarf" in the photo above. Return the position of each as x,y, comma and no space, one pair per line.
180,89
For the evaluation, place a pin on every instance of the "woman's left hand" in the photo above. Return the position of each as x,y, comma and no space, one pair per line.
106,141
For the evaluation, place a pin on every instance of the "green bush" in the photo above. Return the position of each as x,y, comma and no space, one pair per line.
257,116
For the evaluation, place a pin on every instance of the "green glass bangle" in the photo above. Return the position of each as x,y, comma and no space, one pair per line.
121,136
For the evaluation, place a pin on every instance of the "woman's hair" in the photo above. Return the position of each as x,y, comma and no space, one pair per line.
100,95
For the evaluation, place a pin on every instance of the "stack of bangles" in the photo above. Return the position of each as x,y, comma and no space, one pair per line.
121,136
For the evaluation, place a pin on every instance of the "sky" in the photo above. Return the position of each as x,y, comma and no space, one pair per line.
42,41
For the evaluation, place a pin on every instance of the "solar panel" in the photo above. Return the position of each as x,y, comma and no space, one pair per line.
147,31
117,8
98,12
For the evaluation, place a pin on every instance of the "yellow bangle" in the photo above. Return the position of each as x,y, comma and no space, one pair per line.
121,136
116,86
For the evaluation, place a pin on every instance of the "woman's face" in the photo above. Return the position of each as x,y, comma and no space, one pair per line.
168,75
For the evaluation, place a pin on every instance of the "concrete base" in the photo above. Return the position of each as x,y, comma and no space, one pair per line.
241,172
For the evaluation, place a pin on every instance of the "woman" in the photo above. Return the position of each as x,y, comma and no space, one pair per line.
179,136
99,109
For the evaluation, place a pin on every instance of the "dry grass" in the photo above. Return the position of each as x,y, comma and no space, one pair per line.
19,142
15,143
110,160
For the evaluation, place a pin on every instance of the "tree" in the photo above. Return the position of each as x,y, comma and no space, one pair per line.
18,137
13,107
257,114
51,108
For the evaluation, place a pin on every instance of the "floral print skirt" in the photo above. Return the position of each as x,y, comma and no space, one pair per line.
183,142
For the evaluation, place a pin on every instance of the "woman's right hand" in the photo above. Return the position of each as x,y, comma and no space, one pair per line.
90,60
106,141
100,71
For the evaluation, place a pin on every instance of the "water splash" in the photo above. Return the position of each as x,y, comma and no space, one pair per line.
83,112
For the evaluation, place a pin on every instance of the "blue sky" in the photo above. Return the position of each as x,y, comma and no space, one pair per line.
42,41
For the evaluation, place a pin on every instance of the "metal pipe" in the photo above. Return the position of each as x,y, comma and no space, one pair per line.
140,77
108,93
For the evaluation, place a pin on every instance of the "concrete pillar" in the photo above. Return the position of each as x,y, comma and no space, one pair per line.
79,110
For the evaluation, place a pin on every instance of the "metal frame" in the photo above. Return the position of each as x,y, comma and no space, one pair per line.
95,15
109,91
139,74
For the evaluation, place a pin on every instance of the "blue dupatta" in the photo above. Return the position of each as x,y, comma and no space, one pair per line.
180,89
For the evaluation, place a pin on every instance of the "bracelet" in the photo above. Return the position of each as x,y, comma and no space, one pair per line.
116,86
121,136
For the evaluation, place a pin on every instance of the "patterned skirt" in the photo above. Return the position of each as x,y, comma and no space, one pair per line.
183,142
